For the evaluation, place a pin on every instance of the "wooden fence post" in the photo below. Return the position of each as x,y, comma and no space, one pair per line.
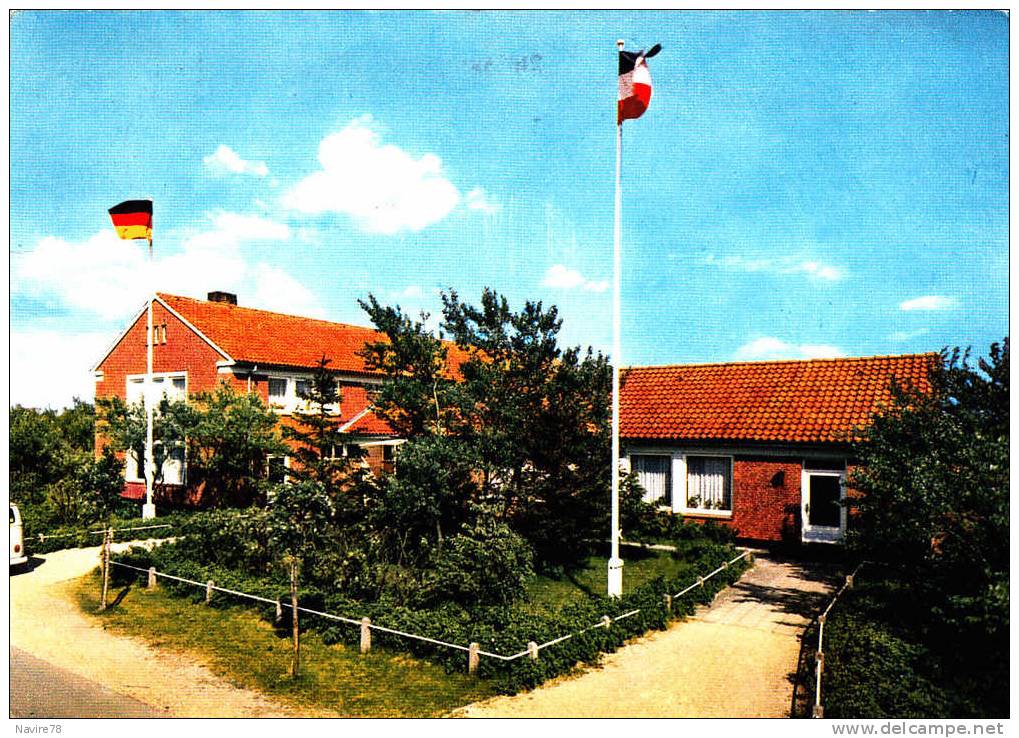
532,650
473,658
208,591
700,581
107,540
152,577
295,665
606,621
366,635
667,600
279,610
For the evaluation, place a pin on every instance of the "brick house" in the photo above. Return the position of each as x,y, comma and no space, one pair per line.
199,344
763,447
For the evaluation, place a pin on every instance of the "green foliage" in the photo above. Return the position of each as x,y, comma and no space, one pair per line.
934,507
888,655
504,629
934,474
537,416
317,446
298,517
55,476
425,500
45,447
415,401
486,563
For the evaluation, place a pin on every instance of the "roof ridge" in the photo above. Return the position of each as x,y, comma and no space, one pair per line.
268,312
757,362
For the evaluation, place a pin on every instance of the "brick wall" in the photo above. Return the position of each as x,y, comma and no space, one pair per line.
766,498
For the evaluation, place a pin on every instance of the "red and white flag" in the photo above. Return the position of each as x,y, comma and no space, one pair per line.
634,83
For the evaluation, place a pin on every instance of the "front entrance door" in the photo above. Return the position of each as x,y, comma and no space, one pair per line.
823,508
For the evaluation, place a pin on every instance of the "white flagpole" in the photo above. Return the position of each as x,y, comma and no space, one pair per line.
149,508
615,572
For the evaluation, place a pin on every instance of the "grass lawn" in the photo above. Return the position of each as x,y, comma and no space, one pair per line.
640,567
241,647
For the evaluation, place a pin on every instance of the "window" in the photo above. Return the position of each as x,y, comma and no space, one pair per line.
654,474
302,388
171,386
277,391
276,468
709,483
174,465
388,453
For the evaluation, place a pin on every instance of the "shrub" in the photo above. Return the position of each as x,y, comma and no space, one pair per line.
503,629
486,563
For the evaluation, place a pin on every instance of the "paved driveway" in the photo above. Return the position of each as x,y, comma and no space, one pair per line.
734,658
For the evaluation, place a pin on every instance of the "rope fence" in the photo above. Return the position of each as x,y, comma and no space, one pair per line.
474,650
43,536
818,710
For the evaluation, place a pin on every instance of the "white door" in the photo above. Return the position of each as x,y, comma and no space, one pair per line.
823,512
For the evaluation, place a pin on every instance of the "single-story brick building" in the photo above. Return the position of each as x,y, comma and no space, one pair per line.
763,447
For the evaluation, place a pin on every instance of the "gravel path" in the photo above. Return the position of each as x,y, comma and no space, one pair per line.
48,625
731,659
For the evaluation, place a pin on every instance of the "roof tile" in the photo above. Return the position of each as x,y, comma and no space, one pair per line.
786,401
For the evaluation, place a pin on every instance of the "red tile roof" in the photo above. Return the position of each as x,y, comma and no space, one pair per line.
266,338
821,400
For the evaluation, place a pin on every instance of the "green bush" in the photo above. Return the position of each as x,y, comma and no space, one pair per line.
894,650
486,563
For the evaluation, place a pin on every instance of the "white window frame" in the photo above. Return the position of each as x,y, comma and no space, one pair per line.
139,379
677,503
286,465
131,468
664,502
679,493
292,401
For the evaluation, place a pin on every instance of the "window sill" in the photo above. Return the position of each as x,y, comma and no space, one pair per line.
725,514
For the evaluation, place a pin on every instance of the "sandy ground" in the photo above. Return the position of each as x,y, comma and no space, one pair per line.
48,625
732,659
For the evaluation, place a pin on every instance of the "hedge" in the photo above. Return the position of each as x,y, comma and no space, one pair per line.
502,630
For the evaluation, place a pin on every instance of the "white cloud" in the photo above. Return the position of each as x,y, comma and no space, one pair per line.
768,348
928,302
821,271
107,278
562,277
782,265
907,335
50,369
227,161
412,291
478,199
380,186
103,280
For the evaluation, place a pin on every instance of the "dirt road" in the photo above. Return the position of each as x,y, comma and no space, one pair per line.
732,659
48,625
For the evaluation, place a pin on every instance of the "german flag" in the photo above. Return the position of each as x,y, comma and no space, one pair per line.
133,219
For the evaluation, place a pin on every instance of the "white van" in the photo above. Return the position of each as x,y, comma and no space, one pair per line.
18,556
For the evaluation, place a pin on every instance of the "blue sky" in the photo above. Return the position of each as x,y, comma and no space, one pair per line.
804,184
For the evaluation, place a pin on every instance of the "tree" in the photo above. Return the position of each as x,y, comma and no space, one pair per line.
933,476
323,453
299,513
529,417
416,400
933,505
227,437
538,418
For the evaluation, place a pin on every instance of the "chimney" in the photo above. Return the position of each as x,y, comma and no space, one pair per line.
228,297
